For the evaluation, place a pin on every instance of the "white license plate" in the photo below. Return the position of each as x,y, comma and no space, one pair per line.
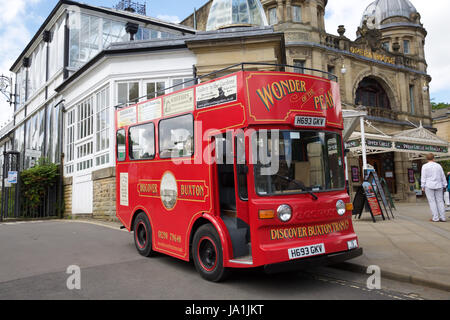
308,251
301,121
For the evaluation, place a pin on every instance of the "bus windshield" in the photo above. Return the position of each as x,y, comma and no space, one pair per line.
309,161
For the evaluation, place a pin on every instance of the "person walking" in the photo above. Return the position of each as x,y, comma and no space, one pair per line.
433,184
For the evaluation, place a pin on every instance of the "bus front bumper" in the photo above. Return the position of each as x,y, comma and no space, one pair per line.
307,263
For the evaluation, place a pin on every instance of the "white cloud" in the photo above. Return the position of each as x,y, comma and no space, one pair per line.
14,36
169,18
434,18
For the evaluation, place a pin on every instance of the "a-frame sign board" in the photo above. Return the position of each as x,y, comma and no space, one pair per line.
388,193
379,191
366,195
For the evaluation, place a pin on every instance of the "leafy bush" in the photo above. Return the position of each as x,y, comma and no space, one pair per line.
36,181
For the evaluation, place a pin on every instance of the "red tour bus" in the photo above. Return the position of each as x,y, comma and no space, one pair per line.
242,171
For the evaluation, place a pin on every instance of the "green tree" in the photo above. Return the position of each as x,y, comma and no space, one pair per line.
439,105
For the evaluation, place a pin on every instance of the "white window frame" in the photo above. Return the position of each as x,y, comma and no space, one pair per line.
155,81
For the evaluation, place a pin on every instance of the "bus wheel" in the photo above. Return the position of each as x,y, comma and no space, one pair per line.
143,235
208,255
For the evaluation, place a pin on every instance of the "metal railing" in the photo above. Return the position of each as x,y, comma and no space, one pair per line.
219,73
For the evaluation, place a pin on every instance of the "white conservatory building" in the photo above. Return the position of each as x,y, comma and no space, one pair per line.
69,40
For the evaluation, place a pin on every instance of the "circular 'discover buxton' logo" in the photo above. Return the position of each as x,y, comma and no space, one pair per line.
169,191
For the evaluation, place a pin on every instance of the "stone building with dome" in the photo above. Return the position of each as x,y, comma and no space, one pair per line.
383,70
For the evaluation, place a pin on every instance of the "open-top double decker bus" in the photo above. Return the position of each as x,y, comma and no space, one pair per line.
243,171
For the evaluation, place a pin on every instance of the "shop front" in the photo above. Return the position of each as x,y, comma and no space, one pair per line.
397,158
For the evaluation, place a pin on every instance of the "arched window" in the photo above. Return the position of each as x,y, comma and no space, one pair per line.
371,94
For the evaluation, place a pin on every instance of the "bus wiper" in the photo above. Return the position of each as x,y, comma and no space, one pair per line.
300,185
312,194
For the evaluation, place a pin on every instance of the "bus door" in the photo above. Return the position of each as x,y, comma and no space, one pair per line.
232,192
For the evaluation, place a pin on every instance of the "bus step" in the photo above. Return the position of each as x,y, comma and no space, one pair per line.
243,260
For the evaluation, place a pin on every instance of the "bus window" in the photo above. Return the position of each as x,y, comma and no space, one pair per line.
142,142
121,145
309,162
176,137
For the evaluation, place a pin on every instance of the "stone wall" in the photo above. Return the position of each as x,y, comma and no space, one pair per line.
201,17
67,196
443,128
104,202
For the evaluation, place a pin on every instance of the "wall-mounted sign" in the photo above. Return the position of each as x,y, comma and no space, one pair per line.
372,55
411,177
355,174
150,110
379,143
420,147
353,144
179,102
33,153
217,92
12,177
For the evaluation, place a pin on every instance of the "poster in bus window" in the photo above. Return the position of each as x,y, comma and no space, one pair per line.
150,110
126,117
179,102
217,92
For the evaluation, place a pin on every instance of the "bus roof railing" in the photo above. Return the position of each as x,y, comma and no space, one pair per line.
218,73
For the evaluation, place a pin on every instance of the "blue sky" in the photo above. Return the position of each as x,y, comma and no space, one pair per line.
21,19
170,9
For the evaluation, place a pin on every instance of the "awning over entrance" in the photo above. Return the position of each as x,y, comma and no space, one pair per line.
351,121
417,141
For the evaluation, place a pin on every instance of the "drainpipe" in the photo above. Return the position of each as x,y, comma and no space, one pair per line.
47,37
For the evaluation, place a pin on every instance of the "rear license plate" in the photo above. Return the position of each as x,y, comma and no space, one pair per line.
301,121
308,251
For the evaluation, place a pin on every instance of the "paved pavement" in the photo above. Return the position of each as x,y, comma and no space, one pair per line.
409,248
34,258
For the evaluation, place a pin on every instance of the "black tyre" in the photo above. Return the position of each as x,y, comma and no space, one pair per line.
208,255
143,235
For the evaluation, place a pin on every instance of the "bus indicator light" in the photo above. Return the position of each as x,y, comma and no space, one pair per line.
266,214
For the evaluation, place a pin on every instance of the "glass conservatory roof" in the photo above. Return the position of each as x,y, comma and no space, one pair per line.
229,13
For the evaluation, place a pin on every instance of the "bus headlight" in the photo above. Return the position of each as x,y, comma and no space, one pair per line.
341,207
284,213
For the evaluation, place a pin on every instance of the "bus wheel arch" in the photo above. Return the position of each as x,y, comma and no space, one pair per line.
221,231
